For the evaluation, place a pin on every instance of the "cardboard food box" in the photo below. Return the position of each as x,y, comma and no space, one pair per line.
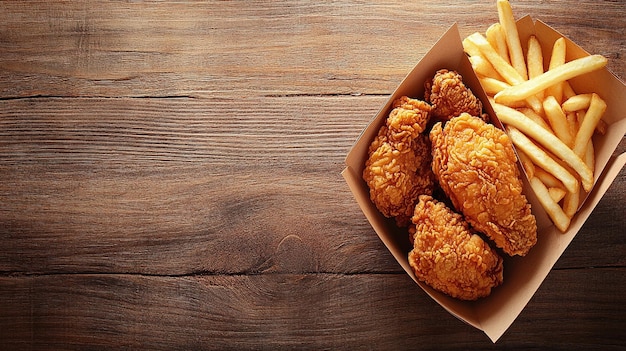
522,275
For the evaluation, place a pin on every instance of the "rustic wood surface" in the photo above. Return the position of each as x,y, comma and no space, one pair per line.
170,179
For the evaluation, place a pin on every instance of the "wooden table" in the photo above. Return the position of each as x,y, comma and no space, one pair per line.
170,179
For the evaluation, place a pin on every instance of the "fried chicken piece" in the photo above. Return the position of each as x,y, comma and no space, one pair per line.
448,256
398,167
475,165
449,96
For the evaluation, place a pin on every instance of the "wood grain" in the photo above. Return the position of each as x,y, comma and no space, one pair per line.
279,311
170,179
224,49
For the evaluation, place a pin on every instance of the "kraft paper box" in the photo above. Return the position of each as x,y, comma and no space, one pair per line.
522,275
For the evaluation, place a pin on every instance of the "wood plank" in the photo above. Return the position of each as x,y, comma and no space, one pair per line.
277,132
286,311
265,48
104,185
179,221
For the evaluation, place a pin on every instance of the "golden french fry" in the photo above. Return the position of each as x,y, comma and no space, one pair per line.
492,86
558,120
557,194
534,103
572,123
548,140
542,159
597,106
577,103
548,179
561,73
554,211
534,57
557,59
558,54
495,36
483,67
505,16
590,155
570,203
600,128
534,60
490,34
530,113
470,48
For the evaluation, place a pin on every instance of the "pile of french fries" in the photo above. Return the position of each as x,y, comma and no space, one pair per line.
548,122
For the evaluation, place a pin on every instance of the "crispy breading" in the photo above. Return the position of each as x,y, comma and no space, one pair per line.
398,167
475,165
449,96
448,256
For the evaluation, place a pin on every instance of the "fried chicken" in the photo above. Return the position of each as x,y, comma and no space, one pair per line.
398,167
448,256
475,165
449,96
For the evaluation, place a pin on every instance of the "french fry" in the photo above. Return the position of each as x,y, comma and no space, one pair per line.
492,86
505,15
572,123
542,159
495,36
600,128
470,48
558,120
490,34
561,73
483,67
514,118
534,57
554,211
557,194
530,113
590,156
577,103
558,54
548,179
570,203
597,106
557,59
534,60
